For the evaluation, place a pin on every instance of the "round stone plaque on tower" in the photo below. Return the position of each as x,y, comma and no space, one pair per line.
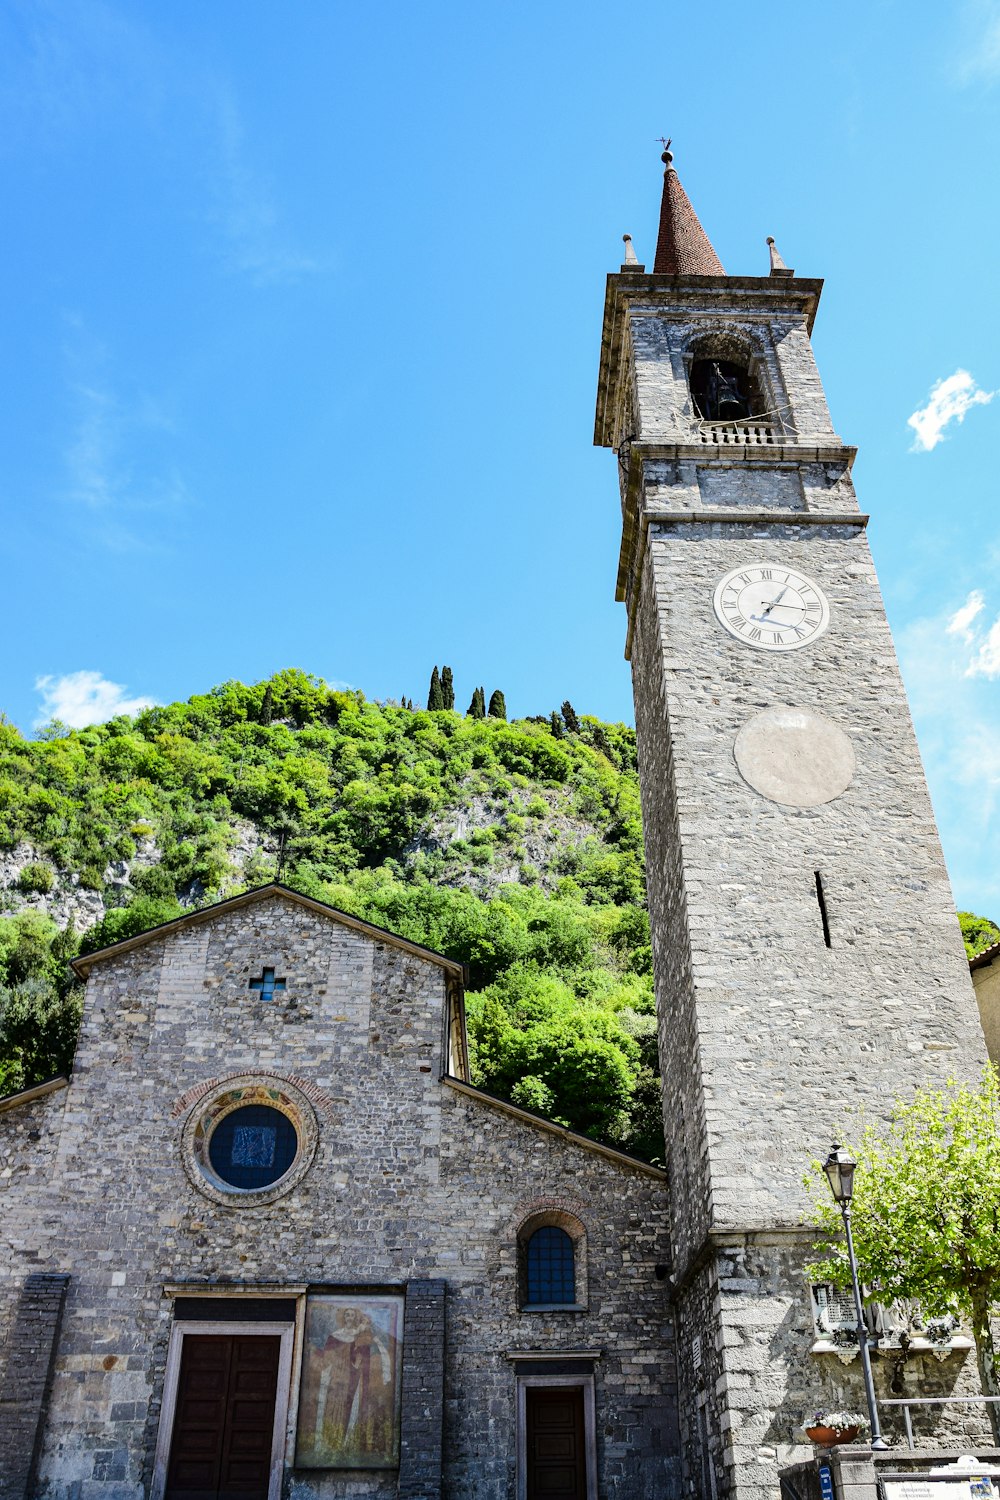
794,756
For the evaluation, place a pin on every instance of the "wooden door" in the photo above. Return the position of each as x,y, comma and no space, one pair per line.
557,1459
224,1419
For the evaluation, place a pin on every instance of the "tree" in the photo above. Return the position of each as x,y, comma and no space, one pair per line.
477,708
926,1211
498,705
556,725
447,687
267,705
435,697
38,1028
569,718
977,932
142,913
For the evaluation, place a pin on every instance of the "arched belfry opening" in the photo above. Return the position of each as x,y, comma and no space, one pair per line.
725,380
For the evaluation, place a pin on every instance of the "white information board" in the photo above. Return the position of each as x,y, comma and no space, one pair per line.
964,1487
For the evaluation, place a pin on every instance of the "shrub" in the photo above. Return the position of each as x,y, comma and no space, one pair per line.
36,878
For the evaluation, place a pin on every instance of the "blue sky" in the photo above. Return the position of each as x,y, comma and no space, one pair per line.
301,318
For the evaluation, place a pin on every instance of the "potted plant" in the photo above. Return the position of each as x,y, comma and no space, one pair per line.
829,1427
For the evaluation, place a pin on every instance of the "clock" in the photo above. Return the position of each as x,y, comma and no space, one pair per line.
772,607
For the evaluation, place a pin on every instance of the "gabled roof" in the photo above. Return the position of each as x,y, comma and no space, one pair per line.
33,1092
542,1122
82,966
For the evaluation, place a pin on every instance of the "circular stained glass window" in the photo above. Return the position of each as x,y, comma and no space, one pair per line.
252,1147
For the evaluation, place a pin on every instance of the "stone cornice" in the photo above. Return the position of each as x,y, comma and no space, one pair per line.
635,524
737,1236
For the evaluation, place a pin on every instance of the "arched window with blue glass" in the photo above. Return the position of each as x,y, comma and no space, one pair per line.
552,1261
550,1270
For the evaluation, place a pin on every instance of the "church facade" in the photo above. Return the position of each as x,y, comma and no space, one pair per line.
275,1244
269,1241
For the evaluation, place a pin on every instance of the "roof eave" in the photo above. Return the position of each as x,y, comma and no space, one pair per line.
984,958
542,1122
33,1092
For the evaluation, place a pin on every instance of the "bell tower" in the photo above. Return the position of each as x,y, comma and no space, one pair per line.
806,952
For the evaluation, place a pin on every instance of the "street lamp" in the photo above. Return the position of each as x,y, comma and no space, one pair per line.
839,1169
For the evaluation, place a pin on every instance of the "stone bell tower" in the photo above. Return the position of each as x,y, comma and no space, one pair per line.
806,951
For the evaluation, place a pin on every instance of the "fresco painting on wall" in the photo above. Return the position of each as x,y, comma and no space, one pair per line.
351,1369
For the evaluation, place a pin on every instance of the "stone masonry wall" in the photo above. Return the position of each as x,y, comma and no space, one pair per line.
27,1374
412,1181
422,1440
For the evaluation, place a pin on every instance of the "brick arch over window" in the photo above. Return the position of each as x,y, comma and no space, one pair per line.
551,1261
727,377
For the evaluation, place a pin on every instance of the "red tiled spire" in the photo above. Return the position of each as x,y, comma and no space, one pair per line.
682,246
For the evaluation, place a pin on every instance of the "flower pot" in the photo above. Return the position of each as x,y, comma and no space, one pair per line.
827,1436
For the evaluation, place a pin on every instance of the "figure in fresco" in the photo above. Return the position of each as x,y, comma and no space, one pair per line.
352,1376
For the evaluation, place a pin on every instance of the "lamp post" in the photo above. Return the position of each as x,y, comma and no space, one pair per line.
839,1169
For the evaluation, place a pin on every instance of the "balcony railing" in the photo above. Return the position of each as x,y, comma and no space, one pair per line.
907,1401
746,434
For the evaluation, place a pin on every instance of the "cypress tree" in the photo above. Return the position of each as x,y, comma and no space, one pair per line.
498,705
569,718
267,706
447,688
435,698
557,726
477,708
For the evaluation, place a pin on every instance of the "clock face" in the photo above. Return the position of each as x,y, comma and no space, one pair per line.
771,606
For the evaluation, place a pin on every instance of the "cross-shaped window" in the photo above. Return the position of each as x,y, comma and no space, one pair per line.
267,985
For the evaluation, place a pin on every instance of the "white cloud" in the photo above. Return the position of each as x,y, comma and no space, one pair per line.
983,658
986,662
82,698
118,456
246,212
961,621
979,49
949,663
949,401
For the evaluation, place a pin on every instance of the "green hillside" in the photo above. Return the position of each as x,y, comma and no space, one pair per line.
515,847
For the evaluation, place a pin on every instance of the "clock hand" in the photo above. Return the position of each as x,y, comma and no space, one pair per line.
766,618
800,607
773,602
